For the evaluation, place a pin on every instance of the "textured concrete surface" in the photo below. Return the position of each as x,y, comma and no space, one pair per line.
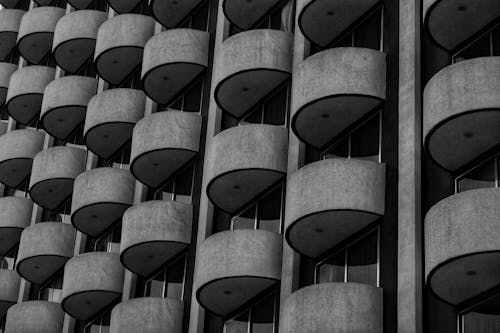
44,249
172,59
91,281
75,37
461,105
100,196
329,200
6,70
120,43
334,88
170,14
111,116
323,20
462,234
161,228
35,317
333,308
243,161
249,66
26,88
64,104
10,19
147,315
451,23
9,289
36,32
235,266
245,14
164,141
53,173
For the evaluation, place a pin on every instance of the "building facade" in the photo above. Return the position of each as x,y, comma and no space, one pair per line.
249,166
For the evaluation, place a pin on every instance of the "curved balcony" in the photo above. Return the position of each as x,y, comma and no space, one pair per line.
111,116
25,94
44,249
334,88
36,32
100,196
461,109
35,317
118,52
64,104
6,71
462,245
244,14
75,37
80,4
123,6
147,315
154,232
172,13
162,143
228,260
15,215
9,289
53,173
10,19
173,59
243,162
321,21
330,200
17,150
250,65
334,307
450,23
91,282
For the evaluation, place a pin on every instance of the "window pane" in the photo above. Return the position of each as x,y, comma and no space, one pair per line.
367,34
275,108
341,149
154,287
346,41
262,315
105,322
175,279
362,260
199,19
480,48
192,98
269,212
246,220
483,319
183,185
114,245
221,221
333,269
255,117
496,41
238,324
481,177
365,140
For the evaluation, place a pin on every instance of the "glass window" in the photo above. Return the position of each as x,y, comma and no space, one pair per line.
483,318
356,262
483,176
120,159
52,290
133,80
198,19
2,324
189,101
485,45
169,282
178,188
100,324
60,214
261,317
109,241
8,260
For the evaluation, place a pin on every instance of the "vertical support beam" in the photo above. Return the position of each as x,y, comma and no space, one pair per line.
409,309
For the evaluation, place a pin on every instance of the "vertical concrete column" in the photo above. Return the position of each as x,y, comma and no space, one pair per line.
409,299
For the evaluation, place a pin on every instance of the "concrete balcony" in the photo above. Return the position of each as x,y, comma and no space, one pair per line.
173,59
53,173
461,109
123,6
111,116
15,215
450,23
10,19
100,197
25,94
321,21
147,315
244,14
17,150
330,200
64,104
334,88
35,317
75,38
250,65
162,143
172,13
229,260
154,232
6,71
9,289
36,32
244,161
462,245
118,52
91,282
44,249
333,307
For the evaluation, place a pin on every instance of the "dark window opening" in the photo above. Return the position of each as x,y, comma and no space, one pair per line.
178,188
9,259
190,100
482,175
108,241
133,80
483,317
486,45
60,214
199,19
51,290
142,8
13,57
120,159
